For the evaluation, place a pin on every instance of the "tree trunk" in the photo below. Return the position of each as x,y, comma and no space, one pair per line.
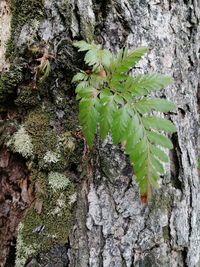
66,207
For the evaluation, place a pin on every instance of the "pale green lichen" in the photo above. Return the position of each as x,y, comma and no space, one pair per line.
58,181
67,142
73,198
38,231
21,143
51,157
60,204
23,251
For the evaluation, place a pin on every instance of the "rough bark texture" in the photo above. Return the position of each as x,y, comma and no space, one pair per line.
107,226
5,18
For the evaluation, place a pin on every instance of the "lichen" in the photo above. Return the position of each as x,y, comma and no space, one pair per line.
73,198
23,251
58,181
39,231
47,147
67,141
59,205
51,157
57,159
21,143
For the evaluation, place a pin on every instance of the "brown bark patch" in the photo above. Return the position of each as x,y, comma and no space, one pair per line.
15,198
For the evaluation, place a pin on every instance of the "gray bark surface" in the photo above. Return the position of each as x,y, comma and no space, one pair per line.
120,231
111,227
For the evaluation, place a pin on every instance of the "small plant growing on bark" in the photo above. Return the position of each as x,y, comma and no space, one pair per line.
43,69
109,97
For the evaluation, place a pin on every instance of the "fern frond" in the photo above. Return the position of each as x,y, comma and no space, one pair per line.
118,103
141,146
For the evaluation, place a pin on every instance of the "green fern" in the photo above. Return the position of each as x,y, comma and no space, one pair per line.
119,104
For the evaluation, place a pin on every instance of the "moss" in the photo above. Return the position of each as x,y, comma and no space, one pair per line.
57,159
9,82
37,123
27,97
38,180
22,12
43,136
39,229
54,151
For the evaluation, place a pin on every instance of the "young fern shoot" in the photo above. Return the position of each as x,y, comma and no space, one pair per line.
119,104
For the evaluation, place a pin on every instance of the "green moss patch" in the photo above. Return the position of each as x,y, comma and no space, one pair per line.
43,228
9,82
43,137
27,97
22,12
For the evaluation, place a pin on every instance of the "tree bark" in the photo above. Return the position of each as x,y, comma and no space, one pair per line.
107,225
